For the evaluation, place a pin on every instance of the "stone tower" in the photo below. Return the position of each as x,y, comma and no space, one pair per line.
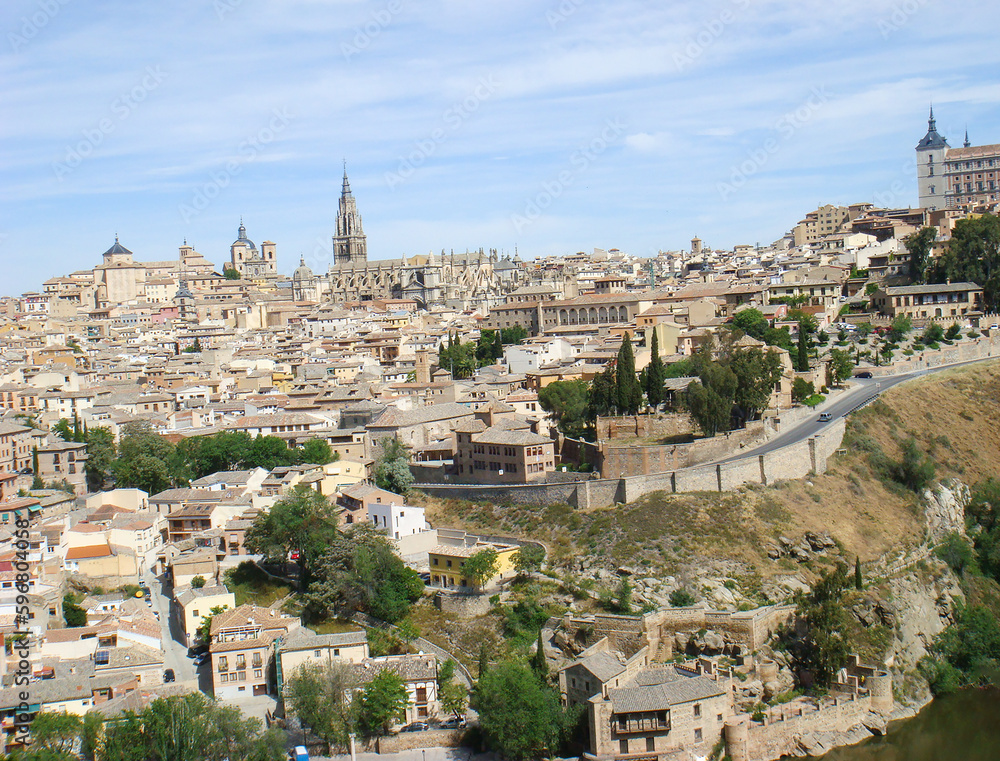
349,242
931,181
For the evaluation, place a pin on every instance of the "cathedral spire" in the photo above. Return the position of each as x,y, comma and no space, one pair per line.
346,188
967,143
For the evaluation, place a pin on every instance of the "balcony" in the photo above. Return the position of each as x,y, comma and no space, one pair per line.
629,724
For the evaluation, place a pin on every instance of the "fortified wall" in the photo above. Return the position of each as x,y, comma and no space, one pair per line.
791,462
746,630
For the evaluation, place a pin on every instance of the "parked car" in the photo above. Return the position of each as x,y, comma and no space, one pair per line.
196,650
454,723
863,374
200,659
168,676
825,417
417,726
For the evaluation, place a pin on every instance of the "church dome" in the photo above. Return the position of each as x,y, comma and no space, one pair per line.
117,248
243,239
302,272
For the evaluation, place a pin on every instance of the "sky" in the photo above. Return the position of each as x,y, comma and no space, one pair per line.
545,126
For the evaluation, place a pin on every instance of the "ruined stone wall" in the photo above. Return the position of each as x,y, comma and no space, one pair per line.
656,426
431,738
784,725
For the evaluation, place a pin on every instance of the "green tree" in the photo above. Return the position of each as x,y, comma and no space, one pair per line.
302,521
204,630
36,482
757,372
54,734
198,582
916,471
382,702
482,566
529,558
965,653
953,332
230,274
269,452
841,365
73,614
752,322
568,403
200,456
826,647
539,664
972,255
520,717
458,358
392,469
901,325
101,452
710,399
446,672
187,727
318,452
513,335
802,389
484,660
932,333
318,696
656,373
359,570
63,429
628,393
142,459
859,582
802,349
681,598
454,698
919,246
602,393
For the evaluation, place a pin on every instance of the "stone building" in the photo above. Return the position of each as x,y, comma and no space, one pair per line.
248,261
950,178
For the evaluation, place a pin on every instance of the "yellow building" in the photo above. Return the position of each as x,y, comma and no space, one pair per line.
447,563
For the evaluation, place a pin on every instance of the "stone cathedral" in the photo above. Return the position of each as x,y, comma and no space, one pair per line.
469,281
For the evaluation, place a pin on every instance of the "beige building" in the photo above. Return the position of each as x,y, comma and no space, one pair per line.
304,647
190,606
958,300
242,650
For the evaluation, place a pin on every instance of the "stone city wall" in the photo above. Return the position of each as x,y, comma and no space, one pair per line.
431,738
658,425
633,460
783,725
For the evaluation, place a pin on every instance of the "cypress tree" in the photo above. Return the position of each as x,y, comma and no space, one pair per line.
802,359
484,660
538,662
858,580
628,394
655,374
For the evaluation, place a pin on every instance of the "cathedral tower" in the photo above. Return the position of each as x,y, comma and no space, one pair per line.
349,242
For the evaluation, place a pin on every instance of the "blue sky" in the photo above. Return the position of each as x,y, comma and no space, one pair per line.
554,126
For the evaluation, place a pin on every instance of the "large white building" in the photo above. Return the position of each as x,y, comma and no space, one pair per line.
398,520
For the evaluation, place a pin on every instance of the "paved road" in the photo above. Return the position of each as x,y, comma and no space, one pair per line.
174,650
864,389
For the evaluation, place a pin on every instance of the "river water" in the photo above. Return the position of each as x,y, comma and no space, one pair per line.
960,727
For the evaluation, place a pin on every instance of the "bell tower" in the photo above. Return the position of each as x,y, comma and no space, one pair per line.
349,242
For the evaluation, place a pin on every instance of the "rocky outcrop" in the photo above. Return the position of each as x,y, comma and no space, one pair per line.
944,509
809,545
